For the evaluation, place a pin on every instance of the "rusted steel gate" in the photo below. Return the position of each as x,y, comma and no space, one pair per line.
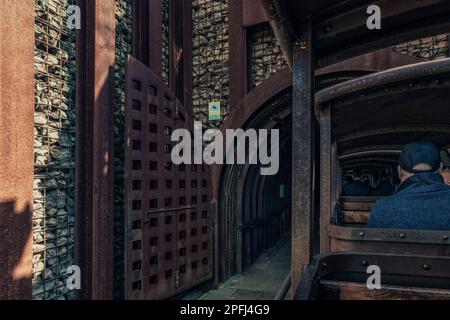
168,223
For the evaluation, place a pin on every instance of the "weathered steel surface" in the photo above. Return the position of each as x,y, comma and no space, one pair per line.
419,271
302,154
147,33
180,50
257,110
16,147
325,178
372,236
94,160
253,13
340,27
388,96
169,244
238,53
409,73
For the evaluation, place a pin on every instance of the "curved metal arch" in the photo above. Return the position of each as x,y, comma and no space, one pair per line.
232,184
362,153
385,79
350,162
383,131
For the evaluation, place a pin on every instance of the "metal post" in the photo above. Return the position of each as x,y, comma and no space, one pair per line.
215,241
325,177
94,159
302,151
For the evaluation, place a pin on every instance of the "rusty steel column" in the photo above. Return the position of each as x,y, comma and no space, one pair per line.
16,148
187,55
302,153
95,127
325,177
147,33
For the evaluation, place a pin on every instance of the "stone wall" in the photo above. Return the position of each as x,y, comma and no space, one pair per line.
53,209
265,56
210,57
124,43
431,48
165,41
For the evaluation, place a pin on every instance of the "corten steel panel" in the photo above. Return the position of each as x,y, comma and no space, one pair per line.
16,147
95,147
253,13
153,224
238,54
147,40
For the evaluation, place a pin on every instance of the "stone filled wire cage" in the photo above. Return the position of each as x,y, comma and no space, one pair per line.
265,55
430,48
165,40
210,57
53,208
124,43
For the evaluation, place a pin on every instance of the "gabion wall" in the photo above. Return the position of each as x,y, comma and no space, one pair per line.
265,56
431,48
165,41
53,210
210,57
124,42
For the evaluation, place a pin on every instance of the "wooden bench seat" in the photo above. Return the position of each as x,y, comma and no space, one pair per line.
355,211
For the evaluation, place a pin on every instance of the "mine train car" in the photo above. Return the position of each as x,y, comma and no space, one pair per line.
367,130
361,123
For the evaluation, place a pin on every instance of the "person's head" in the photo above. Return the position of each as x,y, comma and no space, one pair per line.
416,158
357,174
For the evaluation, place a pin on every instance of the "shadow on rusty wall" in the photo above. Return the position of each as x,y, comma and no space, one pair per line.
15,252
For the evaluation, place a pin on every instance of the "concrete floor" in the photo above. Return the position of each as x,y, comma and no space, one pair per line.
262,280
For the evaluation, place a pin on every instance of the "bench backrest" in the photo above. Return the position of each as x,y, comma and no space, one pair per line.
405,242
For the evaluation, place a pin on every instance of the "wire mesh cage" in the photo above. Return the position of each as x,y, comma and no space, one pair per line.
430,48
210,57
124,42
53,212
165,40
265,55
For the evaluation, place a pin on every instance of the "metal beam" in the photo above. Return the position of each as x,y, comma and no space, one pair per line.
302,153
325,178
16,148
94,152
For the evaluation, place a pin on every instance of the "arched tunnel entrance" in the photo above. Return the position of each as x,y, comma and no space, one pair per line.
255,210
266,204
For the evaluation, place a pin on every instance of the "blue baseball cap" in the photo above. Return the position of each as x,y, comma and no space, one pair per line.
418,153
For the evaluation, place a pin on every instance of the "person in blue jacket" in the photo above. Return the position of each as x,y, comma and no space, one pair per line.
422,200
